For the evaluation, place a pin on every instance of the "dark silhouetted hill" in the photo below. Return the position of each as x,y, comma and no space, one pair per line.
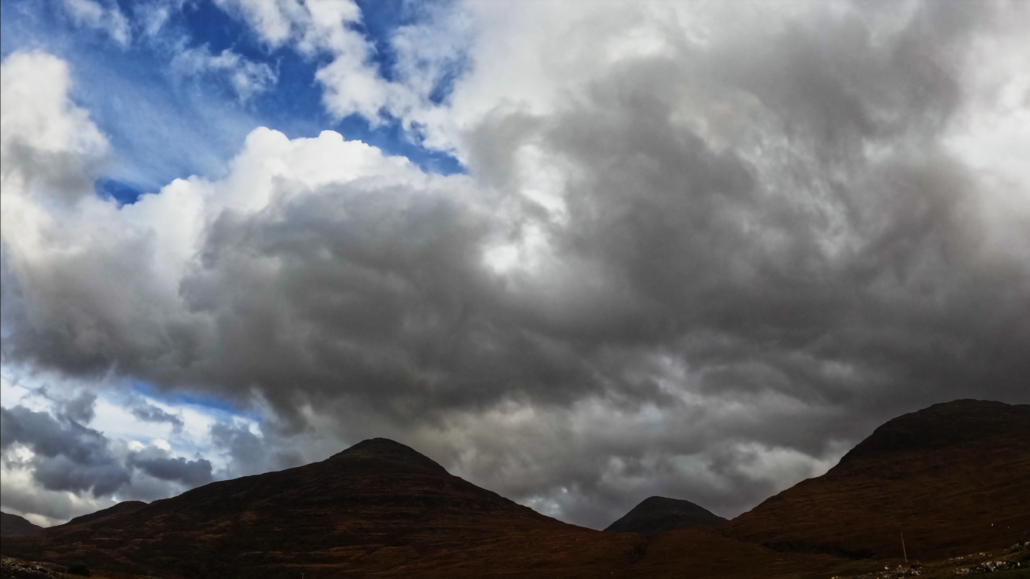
952,478
15,526
378,507
119,509
659,514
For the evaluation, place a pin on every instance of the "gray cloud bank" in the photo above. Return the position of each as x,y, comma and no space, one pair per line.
703,272
68,456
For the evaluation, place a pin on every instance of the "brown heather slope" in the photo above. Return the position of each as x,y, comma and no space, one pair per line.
119,509
700,554
378,509
15,526
952,478
659,514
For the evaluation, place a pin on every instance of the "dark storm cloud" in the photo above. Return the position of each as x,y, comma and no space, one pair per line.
80,408
189,472
150,413
67,455
248,454
716,301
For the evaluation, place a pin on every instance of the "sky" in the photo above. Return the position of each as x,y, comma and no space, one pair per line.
579,253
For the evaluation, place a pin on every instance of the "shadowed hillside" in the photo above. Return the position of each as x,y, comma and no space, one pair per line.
15,526
952,478
659,514
376,507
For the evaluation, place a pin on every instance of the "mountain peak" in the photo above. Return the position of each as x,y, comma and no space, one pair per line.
659,514
389,451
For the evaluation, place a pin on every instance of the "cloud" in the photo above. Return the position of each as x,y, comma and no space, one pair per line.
56,454
80,408
247,453
353,85
680,263
108,19
66,455
429,53
23,495
48,146
150,413
157,463
245,77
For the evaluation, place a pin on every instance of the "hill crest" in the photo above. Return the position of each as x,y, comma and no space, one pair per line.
15,526
951,477
659,514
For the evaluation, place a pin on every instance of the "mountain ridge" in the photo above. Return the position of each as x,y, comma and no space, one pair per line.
377,507
950,477
15,526
382,508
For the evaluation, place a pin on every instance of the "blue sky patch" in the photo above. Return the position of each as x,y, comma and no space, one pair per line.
162,127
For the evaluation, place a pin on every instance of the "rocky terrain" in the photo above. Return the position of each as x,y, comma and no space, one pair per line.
951,477
659,514
1013,563
17,569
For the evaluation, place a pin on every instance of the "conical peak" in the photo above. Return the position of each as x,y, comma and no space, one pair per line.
385,449
659,514
656,500
382,446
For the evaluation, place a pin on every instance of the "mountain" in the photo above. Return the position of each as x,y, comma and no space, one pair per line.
659,514
952,478
119,509
379,507
15,526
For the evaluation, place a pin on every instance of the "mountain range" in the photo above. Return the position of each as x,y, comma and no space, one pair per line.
952,478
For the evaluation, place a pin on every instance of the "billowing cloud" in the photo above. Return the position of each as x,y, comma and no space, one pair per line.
689,257
67,455
76,469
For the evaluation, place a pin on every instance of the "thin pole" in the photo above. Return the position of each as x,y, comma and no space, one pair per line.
903,551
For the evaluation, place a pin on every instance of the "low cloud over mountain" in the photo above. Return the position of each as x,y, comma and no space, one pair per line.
696,251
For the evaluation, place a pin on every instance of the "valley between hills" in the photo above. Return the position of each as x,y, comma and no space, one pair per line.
952,478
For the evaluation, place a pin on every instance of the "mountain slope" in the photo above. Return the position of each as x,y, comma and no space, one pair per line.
376,508
659,514
119,509
15,526
951,477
